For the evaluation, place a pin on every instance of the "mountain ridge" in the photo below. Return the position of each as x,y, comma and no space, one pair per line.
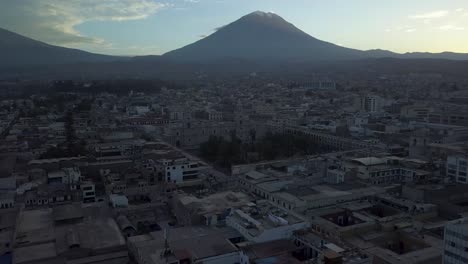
200,50
260,37
17,50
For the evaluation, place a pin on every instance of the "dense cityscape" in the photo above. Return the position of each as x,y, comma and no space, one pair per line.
323,165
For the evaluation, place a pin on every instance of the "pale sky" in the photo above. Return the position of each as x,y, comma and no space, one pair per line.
143,27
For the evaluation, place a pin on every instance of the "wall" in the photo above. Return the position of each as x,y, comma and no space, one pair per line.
230,258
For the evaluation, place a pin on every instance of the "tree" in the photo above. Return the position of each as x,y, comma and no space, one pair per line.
270,147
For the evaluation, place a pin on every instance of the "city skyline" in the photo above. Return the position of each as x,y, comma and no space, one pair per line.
147,27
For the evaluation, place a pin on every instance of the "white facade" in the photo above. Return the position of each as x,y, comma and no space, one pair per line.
371,103
70,176
89,192
255,231
457,168
118,201
214,115
7,200
456,242
181,171
335,176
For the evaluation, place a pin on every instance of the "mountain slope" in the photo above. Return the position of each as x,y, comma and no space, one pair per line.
268,37
17,50
262,35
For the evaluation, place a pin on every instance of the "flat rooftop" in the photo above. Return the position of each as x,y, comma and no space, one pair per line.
185,242
34,253
263,216
215,202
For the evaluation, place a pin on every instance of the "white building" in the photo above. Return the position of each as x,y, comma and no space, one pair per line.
457,168
215,115
265,223
7,200
456,242
182,171
371,103
89,192
335,175
138,109
69,176
118,201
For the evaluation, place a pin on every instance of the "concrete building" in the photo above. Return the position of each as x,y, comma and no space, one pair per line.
387,170
335,175
404,247
89,192
210,210
68,176
68,234
297,194
457,168
278,251
263,222
371,103
50,195
7,200
182,171
456,242
186,245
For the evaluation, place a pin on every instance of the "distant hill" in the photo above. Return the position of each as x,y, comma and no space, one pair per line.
17,50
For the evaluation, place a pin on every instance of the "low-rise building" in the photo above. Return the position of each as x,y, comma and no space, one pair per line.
88,191
210,210
456,242
457,168
263,222
68,234
182,171
186,245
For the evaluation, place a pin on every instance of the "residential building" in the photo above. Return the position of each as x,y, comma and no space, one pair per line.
210,210
371,103
88,191
186,245
263,222
456,242
182,171
69,234
457,168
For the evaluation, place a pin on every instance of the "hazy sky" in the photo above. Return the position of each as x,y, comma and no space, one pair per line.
135,27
